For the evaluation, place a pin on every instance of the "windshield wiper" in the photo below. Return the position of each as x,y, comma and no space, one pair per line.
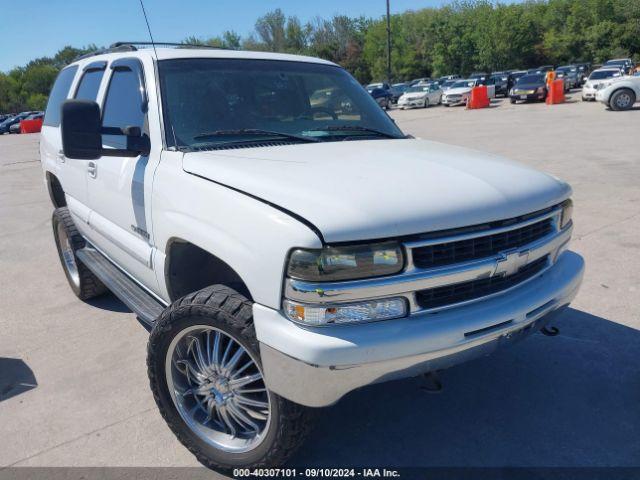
354,128
253,131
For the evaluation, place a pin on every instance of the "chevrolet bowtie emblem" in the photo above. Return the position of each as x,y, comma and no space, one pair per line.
510,262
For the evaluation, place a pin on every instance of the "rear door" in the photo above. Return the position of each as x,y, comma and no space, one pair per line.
120,187
53,159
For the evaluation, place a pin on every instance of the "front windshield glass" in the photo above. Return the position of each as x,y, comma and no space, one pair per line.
531,79
463,84
603,74
206,100
418,88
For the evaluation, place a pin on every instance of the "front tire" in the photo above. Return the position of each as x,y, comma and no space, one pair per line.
622,99
68,241
206,377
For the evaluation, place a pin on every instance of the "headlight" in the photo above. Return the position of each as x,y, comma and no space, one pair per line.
368,311
345,263
540,90
567,212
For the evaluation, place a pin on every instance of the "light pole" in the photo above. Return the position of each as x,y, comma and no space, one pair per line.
388,43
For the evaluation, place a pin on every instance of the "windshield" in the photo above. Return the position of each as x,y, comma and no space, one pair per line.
599,75
615,62
463,84
418,88
206,100
531,79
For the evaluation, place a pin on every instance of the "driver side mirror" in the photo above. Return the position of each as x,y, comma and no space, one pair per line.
81,129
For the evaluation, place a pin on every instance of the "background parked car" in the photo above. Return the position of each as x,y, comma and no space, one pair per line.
597,80
421,95
584,69
501,82
446,78
397,89
624,63
416,81
529,87
459,92
6,125
383,97
514,76
568,73
373,86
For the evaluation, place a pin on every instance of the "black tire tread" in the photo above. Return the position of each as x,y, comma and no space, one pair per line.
90,285
219,303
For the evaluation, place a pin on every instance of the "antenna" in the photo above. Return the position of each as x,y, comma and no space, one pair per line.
153,44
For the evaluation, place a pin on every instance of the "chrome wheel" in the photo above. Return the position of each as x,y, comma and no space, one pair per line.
68,257
218,388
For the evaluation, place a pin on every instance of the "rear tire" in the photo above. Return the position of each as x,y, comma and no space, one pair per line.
218,315
68,241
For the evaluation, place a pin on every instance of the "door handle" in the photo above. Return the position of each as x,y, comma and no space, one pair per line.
92,169
61,156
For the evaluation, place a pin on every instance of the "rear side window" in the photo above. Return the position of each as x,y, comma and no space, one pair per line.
59,94
123,106
89,85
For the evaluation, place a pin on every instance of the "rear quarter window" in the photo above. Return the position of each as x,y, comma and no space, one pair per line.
59,94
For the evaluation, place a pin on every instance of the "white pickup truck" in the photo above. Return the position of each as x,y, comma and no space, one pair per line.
284,242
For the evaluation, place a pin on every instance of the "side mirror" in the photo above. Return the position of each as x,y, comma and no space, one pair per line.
80,128
82,132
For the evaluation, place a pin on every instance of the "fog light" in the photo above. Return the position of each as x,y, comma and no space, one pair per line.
369,311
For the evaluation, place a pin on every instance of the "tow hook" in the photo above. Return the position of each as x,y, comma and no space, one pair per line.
550,331
431,383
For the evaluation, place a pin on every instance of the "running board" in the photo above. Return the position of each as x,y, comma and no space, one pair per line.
132,295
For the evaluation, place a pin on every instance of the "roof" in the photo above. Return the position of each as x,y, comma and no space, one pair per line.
163,53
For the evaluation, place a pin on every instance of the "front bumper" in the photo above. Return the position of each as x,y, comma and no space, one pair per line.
418,102
527,97
454,101
318,366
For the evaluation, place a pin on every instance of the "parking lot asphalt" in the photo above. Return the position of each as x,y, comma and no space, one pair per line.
73,382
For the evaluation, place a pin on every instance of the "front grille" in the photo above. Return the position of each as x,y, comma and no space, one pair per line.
461,292
480,247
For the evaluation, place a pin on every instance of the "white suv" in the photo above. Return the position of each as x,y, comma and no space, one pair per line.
285,246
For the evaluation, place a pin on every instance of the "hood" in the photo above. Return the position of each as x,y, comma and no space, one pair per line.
458,91
528,86
365,190
413,95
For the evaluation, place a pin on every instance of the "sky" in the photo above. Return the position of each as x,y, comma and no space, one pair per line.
36,28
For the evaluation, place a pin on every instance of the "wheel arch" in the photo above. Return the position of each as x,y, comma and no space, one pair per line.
56,192
189,267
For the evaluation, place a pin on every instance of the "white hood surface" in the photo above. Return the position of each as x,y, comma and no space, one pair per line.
371,189
414,95
458,91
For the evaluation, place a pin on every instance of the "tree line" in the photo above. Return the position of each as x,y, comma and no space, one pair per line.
460,37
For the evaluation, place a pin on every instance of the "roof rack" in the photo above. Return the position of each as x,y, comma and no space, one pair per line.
163,44
133,46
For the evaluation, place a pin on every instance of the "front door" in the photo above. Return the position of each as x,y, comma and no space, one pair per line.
120,187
